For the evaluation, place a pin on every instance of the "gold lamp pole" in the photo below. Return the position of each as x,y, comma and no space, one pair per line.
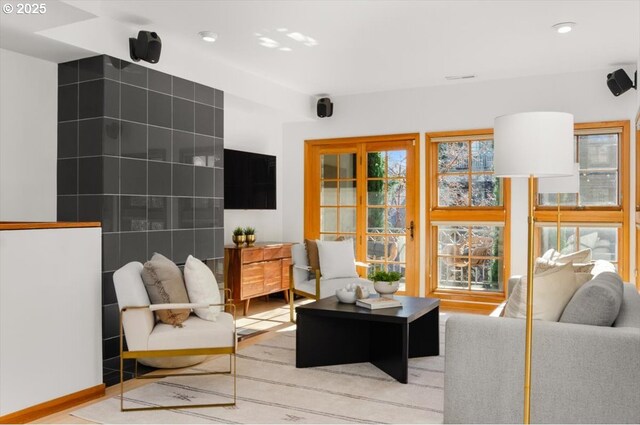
522,146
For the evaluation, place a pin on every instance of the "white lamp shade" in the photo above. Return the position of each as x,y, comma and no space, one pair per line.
566,184
535,144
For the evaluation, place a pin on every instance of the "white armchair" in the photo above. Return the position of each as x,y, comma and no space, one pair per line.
163,346
309,283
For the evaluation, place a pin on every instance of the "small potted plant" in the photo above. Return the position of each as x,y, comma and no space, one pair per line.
238,237
250,235
385,283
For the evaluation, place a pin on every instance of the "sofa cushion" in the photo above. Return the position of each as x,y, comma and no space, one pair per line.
552,290
337,259
163,282
629,315
312,254
597,302
202,287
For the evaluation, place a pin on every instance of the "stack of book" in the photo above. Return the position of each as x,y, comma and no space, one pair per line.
376,303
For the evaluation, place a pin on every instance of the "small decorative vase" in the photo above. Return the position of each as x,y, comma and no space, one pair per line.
238,239
345,296
386,288
251,239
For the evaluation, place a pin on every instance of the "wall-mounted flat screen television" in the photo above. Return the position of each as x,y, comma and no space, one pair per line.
249,181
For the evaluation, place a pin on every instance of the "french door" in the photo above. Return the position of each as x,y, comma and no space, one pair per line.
365,189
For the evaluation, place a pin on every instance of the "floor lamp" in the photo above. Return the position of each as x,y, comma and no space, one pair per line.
532,144
558,185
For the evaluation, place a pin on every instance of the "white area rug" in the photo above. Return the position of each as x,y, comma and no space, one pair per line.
271,390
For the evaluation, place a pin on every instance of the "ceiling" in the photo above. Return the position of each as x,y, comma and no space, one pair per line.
367,46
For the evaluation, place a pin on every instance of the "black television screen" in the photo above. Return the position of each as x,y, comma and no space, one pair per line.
249,181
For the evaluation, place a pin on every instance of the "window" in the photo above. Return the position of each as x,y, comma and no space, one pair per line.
597,216
468,217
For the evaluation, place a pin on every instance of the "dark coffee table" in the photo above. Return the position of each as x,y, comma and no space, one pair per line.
329,333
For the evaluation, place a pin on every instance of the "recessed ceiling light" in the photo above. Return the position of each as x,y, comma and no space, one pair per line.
285,49
459,77
282,30
208,36
564,27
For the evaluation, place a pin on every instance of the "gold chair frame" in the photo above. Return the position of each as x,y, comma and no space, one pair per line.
134,355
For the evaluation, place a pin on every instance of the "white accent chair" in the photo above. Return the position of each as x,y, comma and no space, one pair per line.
309,283
160,345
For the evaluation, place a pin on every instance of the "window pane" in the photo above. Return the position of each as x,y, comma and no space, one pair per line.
486,191
486,241
566,199
598,188
347,220
482,156
397,163
453,272
453,157
375,192
348,166
396,220
328,166
328,193
348,193
375,164
376,248
328,219
598,151
486,274
602,241
375,220
451,239
567,239
453,191
397,194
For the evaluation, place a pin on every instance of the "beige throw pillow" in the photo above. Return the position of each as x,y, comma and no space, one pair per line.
552,291
163,282
312,254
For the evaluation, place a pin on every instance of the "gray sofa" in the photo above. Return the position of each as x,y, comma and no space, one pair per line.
581,373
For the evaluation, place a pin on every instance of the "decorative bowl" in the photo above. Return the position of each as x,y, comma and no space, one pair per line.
386,288
346,296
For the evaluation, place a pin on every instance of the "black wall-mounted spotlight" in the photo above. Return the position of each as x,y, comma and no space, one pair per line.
146,47
324,107
619,82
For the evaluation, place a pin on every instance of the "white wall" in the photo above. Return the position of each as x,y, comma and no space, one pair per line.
255,128
28,138
451,107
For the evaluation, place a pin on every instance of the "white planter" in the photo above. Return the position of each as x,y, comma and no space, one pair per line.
386,288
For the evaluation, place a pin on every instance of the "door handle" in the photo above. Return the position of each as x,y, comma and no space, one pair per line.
410,229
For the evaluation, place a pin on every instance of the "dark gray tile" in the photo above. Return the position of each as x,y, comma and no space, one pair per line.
159,81
91,99
204,244
218,99
183,114
219,123
90,134
159,242
111,348
182,180
133,177
110,213
91,68
204,94
133,247
183,245
183,147
90,208
112,68
110,321
183,88
108,289
219,243
90,176
68,72
203,183
159,109
159,178
67,176
218,155
67,208
203,212
218,212
204,151
204,119
68,139
68,102
218,190
133,213
182,213
111,137
111,99
159,144
111,175
159,213
110,251
133,104
133,140
132,73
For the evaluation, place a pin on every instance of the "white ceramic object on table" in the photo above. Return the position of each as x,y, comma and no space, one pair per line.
346,296
386,288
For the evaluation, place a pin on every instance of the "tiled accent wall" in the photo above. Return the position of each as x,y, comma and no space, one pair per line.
142,152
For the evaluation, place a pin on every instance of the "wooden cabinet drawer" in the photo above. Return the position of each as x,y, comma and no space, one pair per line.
272,253
272,275
252,255
252,280
286,263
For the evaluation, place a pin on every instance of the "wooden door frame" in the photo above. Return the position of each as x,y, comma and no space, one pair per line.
312,207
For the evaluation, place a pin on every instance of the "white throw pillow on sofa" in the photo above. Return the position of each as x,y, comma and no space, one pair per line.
337,259
202,287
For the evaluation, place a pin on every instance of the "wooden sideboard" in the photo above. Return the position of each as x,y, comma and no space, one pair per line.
258,270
